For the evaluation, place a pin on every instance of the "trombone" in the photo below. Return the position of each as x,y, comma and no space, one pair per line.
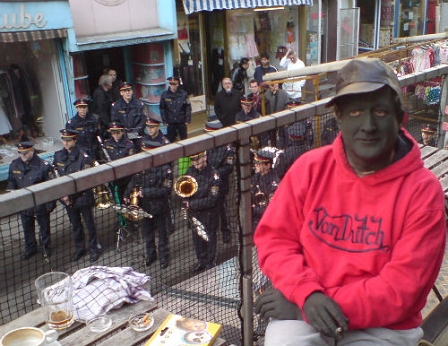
185,187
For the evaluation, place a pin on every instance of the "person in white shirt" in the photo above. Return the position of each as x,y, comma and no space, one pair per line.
294,88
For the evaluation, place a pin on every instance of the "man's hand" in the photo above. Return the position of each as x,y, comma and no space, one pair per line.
273,304
325,315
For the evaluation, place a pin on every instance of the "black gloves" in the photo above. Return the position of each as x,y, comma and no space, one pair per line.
273,304
325,315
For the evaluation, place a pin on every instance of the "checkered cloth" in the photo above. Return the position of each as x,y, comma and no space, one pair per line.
99,289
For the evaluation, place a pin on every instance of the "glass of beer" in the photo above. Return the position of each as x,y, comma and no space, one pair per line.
55,295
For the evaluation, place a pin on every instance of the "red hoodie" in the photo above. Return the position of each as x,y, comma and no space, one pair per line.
373,244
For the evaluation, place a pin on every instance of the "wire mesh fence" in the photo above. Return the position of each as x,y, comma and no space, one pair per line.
215,292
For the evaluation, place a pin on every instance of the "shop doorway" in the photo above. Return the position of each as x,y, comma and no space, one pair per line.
98,61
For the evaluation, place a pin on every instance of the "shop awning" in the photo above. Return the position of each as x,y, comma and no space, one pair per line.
34,35
191,6
124,38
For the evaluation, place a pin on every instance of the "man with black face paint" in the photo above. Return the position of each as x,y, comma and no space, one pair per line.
354,237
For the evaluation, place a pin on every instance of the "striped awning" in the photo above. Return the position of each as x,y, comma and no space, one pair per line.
191,6
34,35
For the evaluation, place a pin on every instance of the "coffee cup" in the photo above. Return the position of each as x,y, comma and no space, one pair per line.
29,336
55,293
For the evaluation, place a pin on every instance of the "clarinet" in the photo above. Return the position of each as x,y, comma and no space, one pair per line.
103,148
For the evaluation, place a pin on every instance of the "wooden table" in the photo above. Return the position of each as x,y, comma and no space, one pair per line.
120,334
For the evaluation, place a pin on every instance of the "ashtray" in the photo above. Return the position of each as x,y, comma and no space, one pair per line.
141,322
99,324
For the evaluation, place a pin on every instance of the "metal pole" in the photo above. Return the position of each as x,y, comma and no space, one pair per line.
247,242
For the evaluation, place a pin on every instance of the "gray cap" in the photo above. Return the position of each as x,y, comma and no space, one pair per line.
365,75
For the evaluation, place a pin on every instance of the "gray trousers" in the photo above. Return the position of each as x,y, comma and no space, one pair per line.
300,333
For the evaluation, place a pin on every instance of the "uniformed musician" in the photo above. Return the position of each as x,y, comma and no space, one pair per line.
299,141
203,206
154,189
27,170
154,134
129,111
87,126
222,158
429,134
264,183
69,160
117,147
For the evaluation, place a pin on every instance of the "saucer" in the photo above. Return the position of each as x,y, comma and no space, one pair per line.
55,343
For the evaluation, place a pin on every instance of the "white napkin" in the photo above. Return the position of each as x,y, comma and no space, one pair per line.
99,289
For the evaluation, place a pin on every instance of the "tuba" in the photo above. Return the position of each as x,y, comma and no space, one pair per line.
103,196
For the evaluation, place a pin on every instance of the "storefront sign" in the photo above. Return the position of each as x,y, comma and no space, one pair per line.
22,20
37,15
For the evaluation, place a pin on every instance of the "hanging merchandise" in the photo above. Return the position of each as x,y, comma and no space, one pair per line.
290,35
432,95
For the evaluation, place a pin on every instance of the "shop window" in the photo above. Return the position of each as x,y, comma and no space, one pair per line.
81,77
411,18
188,52
252,32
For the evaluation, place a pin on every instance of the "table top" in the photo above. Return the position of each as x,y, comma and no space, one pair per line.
436,160
120,333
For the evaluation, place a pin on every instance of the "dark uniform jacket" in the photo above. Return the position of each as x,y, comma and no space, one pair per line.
175,108
130,115
88,128
155,184
227,105
263,188
222,159
203,203
117,150
23,174
68,163
160,138
242,116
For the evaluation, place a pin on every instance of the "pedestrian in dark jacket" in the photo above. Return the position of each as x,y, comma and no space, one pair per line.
227,103
175,110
